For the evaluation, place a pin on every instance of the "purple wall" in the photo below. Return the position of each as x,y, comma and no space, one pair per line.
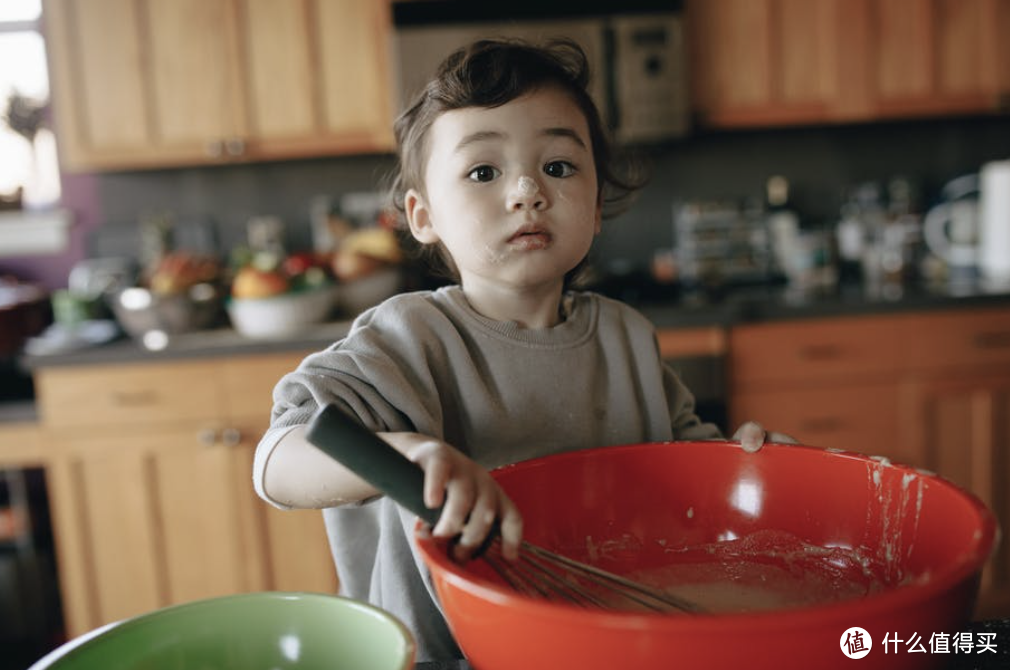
80,197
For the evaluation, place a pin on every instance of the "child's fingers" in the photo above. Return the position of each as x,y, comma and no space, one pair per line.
781,438
436,478
511,528
460,495
479,524
751,436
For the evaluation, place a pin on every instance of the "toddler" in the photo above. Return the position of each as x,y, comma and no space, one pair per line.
504,171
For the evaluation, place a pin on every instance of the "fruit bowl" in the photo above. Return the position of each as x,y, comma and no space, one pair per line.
788,549
254,631
284,315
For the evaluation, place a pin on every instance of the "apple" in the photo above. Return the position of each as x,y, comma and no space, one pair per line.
350,265
252,282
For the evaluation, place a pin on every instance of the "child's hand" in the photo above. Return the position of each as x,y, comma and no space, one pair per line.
752,436
472,500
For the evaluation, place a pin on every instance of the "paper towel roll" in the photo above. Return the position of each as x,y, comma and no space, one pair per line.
994,221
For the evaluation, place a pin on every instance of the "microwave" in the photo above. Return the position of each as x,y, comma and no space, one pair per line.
637,53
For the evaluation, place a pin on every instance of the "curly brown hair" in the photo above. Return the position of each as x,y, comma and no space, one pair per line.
491,73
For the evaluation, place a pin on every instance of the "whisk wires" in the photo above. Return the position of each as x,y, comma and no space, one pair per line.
541,573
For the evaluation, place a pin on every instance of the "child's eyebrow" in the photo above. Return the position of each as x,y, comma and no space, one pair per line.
479,136
564,132
488,135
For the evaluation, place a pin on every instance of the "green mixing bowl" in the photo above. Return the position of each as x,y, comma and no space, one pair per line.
255,631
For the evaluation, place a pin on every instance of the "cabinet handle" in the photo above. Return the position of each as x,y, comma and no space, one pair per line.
214,148
231,436
821,352
998,339
234,146
207,437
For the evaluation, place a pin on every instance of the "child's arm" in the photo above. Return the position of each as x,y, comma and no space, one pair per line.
297,474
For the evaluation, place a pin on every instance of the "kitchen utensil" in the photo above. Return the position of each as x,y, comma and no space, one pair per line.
994,222
632,508
537,573
253,631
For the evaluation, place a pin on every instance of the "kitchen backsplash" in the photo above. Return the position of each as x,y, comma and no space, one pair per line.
820,164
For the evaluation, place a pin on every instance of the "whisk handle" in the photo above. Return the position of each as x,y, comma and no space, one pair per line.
371,458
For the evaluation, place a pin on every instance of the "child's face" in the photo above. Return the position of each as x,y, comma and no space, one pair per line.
511,191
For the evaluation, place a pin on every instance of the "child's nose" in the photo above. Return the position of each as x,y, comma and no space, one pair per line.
525,194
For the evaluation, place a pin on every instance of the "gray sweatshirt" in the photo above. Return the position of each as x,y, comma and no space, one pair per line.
427,362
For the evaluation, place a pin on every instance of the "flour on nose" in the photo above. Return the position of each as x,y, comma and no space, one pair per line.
527,186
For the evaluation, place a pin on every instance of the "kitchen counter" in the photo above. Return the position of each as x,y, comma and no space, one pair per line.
666,310
748,305
999,660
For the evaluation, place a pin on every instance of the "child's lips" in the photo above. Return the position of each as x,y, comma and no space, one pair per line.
530,238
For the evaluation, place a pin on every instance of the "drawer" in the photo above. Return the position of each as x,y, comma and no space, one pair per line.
248,382
128,394
690,342
963,338
811,352
859,417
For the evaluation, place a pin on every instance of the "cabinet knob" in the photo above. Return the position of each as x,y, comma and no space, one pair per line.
234,146
207,437
231,436
214,148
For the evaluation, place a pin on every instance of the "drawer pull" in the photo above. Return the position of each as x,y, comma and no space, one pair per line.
821,352
231,437
135,399
999,339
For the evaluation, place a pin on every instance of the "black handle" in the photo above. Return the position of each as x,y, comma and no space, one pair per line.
368,456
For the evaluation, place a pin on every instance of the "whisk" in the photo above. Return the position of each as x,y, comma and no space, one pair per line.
538,572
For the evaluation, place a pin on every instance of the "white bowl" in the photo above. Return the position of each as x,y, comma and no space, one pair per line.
359,294
282,316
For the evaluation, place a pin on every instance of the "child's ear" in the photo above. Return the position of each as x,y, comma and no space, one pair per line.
419,218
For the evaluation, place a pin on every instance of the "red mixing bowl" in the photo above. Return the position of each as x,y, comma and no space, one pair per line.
847,540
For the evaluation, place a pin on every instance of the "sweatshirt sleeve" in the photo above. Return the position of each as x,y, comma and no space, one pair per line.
686,424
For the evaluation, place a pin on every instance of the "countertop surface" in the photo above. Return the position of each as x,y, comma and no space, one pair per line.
997,634
743,306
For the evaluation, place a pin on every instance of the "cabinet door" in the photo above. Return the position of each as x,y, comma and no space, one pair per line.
853,417
194,77
100,96
940,56
145,83
963,425
768,62
148,520
297,550
318,76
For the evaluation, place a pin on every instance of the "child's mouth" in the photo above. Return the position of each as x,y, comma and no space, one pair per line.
530,240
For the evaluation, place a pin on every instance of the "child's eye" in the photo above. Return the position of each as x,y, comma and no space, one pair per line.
559,169
483,173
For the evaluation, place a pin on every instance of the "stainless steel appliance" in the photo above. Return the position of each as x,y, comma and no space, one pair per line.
636,49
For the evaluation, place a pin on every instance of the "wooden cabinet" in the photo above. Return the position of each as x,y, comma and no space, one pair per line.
779,62
149,469
142,83
829,383
931,390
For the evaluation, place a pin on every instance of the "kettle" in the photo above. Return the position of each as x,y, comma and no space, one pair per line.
951,228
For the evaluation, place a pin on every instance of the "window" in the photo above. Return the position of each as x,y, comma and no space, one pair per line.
29,174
